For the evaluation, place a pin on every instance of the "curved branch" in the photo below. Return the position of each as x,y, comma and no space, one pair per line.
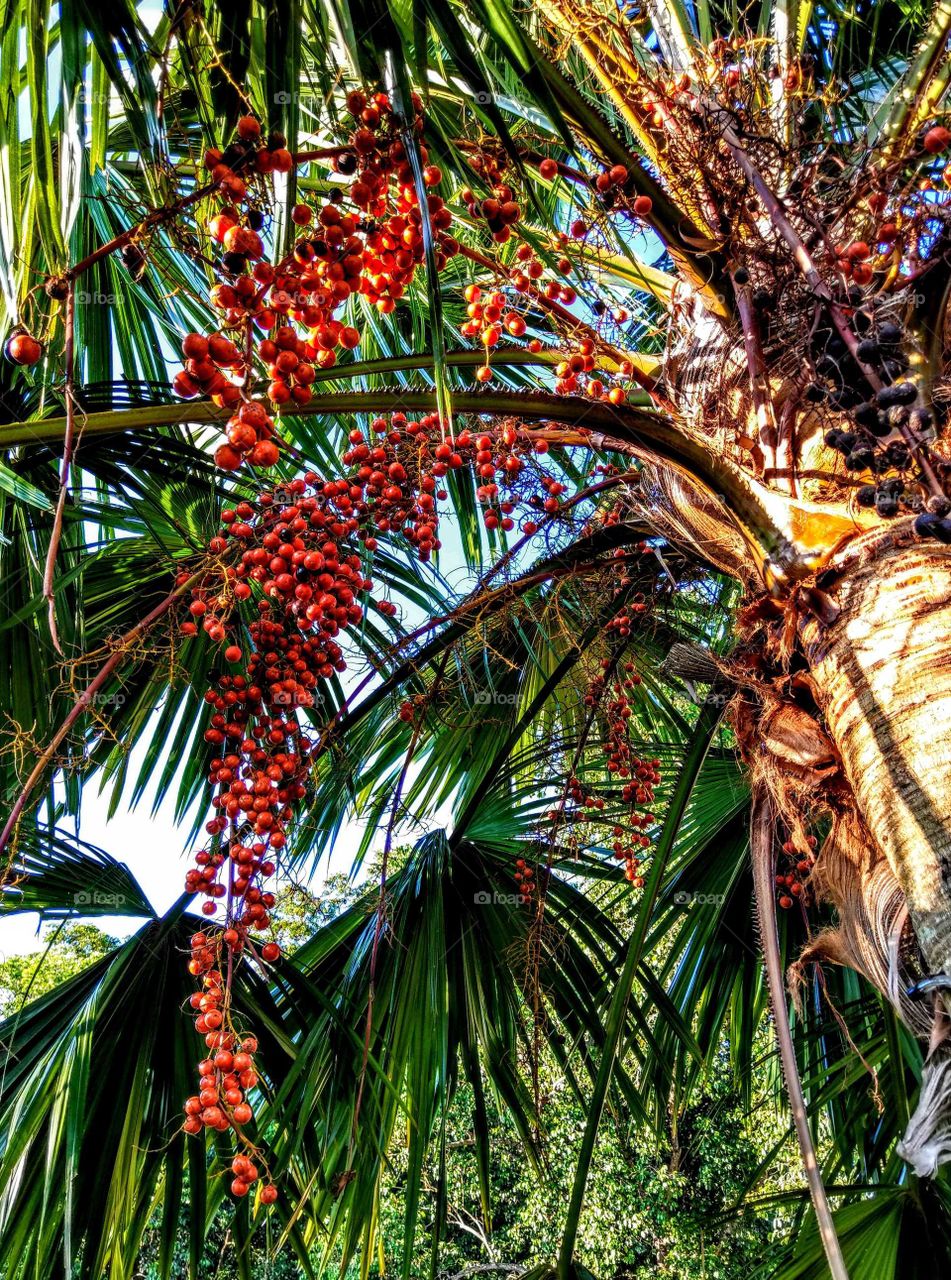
594,424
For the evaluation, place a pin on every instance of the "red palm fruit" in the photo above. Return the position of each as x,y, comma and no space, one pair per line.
227,458
219,226
23,348
643,205
264,454
194,346
242,436
248,128
183,384
221,349
936,139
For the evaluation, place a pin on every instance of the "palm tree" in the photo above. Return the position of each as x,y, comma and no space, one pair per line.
753,217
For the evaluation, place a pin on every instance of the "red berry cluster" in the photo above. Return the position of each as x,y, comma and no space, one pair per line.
206,362
580,362
630,841
224,1077
791,884
622,622
493,314
398,479
500,210
526,882
250,436
291,546
399,474
372,249
489,317
394,235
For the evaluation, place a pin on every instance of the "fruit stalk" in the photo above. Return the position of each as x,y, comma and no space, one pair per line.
65,467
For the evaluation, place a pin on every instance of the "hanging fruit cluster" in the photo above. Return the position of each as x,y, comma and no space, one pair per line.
500,313
399,476
629,838
280,321
295,550
526,882
500,210
791,884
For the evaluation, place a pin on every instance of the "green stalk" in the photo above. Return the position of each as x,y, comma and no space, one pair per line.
700,741
397,82
920,92
594,424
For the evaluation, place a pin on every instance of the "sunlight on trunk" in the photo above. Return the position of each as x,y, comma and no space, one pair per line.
883,671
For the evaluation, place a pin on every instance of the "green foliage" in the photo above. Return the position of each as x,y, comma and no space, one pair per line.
483,1032
68,948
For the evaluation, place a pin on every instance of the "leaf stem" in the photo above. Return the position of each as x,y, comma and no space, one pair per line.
82,702
764,868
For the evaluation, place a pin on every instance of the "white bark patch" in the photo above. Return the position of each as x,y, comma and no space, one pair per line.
883,676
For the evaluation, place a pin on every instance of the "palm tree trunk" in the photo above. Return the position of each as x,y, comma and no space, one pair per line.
883,675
